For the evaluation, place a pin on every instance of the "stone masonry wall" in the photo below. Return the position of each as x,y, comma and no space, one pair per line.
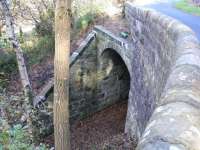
153,56
82,90
96,81
166,82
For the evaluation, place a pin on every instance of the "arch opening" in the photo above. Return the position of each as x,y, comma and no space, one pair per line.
115,76
106,126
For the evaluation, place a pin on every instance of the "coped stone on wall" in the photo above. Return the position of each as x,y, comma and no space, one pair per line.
166,100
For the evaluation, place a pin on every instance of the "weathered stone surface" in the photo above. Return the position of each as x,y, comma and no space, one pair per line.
153,54
172,125
83,82
165,84
99,76
99,73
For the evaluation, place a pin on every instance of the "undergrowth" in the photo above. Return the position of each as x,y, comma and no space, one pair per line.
13,132
38,48
35,49
85,13
8,63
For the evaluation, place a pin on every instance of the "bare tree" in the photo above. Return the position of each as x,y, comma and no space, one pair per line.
61,71
2,21
9,21
31,10
10,30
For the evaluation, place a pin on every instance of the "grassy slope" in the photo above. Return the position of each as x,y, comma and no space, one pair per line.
187,7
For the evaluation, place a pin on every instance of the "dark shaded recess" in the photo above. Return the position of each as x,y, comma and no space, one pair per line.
119,72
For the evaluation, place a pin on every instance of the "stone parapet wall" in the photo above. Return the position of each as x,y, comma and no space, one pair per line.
166,77
153,54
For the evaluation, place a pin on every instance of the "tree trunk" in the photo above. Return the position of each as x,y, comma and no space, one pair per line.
61,73
1,26
29,110
12,37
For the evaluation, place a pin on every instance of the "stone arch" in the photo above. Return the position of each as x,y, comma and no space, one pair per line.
120,50
115,76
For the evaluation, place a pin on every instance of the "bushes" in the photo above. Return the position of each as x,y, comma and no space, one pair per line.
4,43
38,48
42,42
45,26
35,50
13,135
85,12
14,138
84,21
8,65
8,62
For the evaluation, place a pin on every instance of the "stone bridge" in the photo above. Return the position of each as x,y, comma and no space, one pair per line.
157,70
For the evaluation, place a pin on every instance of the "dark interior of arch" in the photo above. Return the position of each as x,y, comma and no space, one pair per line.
116,77
113,84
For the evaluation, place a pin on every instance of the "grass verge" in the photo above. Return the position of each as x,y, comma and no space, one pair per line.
186,6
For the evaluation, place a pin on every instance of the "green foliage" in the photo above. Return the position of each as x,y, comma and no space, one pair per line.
82,7
46,23
84,21
13,136
187,7
85,12
4,42
8,65
16,138
21,35
42,39
35,50
8,62
39,48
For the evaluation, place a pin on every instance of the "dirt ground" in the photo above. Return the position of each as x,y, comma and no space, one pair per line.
102,131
